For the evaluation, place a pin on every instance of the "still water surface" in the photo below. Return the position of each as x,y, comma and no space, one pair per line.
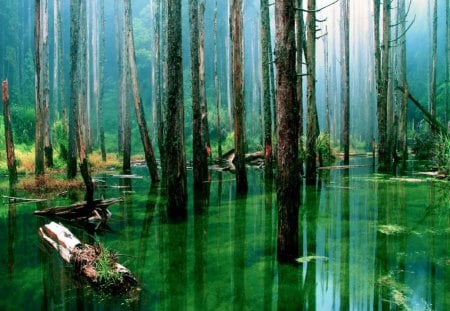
368,242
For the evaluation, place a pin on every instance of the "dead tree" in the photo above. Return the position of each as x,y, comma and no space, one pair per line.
200,166
345,77
288,178
39,109
238,94
265,37
138,108
10,155
175,154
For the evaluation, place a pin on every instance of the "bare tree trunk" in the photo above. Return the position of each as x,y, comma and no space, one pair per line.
381,74
100,116
433,62
403,120
48,148
386,154
59,95
125,110
228,52
158,84
39,108
176,159
140,116
217,84
311,124
345,71
327,93
9,141
118,25
203,102
447,66
265,37
73,113
86,65
288,178
81,125
300,37
95,72
198,148
238,95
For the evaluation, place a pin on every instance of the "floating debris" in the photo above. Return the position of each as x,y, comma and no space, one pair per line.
391,229
307,259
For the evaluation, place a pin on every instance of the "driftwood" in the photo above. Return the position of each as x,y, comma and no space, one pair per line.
12,200
89,260
341,167
98,210
226,162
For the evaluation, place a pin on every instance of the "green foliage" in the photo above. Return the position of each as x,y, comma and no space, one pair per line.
105,265
435,148
23,123
442,153
323,145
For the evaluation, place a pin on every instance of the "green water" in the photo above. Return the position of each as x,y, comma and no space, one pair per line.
379,244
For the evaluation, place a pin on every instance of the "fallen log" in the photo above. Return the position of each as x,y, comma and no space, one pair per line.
97,210
95,263
12,200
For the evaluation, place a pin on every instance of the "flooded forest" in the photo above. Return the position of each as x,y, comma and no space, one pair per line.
225,155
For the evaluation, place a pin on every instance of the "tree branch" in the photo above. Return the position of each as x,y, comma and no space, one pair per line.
317,10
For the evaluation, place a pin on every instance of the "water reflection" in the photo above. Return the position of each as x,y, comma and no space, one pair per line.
372,243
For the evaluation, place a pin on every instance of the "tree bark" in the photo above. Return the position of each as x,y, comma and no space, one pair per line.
73,114
300,38
81,124
199,155
39,108
48,148
217,85
159,98
175,155
345,77
238,95
140,115
403,120
203,102
118,33
433,71
100,116
265,37
9,141
59,85
288,178
312,118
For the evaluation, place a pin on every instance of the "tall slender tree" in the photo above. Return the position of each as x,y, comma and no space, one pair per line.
299,41
403,115
59,86
345,78
203,101
288,178
238,95
447,66
9,141
312,118
100,116
217,83
73,113
39,108
138,108
48,148
118,26
199,156
382,74
175,156
433,69
265,37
